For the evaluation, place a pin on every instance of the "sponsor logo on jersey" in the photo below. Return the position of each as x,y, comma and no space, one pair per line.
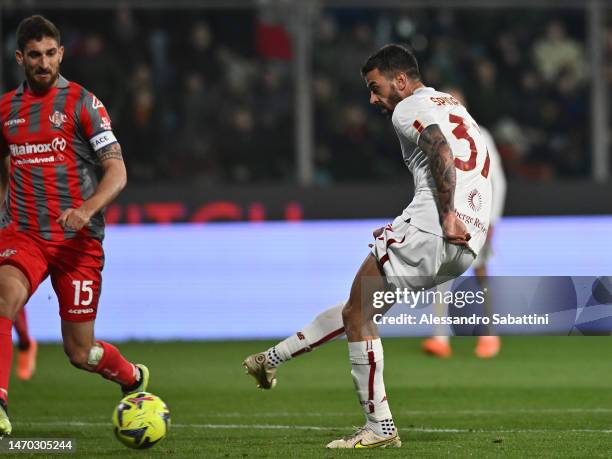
37,160
14,122
81,311
7,253
58,118
57,144
96,104
105,124
472,220
475,200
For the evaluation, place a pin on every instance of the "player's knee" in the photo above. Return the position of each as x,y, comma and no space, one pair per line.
10,303
77,355
349,311
6,310
14,291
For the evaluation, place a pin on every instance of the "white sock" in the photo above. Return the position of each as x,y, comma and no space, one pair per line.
327,326
367,370
442,338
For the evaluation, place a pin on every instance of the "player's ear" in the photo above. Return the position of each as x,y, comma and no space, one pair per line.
60,51
401,80
19,57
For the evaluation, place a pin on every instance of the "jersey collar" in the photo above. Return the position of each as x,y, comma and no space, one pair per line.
61,83
423,89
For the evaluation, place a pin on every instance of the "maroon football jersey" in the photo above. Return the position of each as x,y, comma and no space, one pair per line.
52,141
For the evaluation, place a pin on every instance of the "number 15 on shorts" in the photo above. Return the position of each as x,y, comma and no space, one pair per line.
83,292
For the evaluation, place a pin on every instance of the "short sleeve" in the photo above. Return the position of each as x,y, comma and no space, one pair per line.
95,123
410,120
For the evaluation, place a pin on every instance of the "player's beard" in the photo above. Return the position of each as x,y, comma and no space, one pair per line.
393,99
41,86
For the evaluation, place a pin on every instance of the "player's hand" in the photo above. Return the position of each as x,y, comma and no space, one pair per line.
74,219
376,233
455,230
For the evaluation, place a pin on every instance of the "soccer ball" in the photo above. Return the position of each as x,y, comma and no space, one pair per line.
141,420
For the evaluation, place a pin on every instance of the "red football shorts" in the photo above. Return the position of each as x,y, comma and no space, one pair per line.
75,266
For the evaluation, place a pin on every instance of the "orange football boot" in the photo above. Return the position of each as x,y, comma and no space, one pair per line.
488,347
437,348
26,361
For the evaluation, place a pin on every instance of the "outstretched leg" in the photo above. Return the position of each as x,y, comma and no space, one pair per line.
326,326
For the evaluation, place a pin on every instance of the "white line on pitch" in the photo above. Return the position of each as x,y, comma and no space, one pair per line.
299,427
403,412
421,412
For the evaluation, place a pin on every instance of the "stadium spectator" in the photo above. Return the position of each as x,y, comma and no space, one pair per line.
557,54
180,76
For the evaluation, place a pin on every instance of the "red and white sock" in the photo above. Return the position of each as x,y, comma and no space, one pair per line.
112,365
21,327
6,356
327,326
367,365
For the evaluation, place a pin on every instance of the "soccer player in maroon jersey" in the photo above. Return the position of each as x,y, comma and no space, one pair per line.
62,166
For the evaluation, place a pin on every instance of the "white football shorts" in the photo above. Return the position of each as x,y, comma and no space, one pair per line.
416,259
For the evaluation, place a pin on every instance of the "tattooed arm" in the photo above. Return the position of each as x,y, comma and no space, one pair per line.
111,184
441,163
442,166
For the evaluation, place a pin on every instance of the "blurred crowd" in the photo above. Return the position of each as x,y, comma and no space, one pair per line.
207,96
192,95
525,75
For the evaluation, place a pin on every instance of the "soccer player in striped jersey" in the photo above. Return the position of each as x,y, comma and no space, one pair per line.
61,166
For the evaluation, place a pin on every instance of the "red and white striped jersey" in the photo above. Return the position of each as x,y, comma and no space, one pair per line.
52,141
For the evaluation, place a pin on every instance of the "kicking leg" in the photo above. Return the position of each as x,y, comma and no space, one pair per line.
327,326
101,357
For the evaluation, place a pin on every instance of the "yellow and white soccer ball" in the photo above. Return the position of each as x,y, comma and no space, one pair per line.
141,420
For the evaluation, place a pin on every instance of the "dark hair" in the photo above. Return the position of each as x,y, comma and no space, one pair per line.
35,28
391,59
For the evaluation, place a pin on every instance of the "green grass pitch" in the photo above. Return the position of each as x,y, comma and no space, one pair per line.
541,397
